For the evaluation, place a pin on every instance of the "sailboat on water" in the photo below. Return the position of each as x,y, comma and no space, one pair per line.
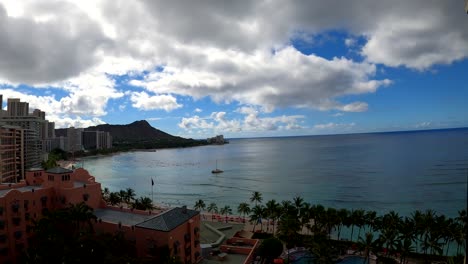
217,170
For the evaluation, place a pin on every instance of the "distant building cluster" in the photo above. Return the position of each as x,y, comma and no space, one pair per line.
219,140
27,137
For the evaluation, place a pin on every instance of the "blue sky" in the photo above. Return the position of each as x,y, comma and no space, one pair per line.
242,69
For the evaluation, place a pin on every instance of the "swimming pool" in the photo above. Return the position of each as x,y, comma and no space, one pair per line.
302,257
352,260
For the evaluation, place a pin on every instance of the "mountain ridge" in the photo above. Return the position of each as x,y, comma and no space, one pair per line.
139,134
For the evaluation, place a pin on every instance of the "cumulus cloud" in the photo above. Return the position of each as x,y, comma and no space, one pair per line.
230,51
77,121
198,110
38,51
218,122
144,101
285,78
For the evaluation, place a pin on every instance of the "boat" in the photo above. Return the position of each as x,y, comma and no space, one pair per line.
217,170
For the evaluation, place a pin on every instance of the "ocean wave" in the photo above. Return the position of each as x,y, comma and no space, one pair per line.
442,183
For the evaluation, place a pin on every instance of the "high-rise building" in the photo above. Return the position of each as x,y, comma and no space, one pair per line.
74,136
17,108
96,140
11,154
34,126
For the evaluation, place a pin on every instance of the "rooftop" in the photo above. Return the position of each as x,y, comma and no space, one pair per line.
58,170
21,189
169,220
126,218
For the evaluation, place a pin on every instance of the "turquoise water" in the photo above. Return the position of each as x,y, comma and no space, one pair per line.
381,172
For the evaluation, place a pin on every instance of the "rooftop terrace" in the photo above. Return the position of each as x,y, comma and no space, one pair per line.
126,218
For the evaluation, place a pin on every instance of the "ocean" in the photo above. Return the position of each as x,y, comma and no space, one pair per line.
400,171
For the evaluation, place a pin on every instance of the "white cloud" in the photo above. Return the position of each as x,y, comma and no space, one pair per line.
78,122
424,125
198,110
195,122
338,114
334,126
355,107
218,122
189,49
144,101
350,42
286,78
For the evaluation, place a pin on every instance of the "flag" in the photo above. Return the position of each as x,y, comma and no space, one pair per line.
152,182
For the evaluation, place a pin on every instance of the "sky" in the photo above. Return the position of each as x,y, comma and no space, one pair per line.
239,68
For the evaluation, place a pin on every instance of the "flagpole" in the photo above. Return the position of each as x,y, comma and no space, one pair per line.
152,185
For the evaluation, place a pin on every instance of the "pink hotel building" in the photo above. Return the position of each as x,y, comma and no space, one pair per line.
178,228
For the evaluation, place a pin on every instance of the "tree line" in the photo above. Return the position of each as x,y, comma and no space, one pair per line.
127,197
426,232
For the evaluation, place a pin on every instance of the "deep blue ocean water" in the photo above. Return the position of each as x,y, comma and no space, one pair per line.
401,171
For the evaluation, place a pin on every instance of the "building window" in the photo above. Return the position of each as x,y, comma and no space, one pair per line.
27,216
85,197
176,247
4,251
187,237
44,200
26,204
15,207
1,210
50,177
16,221
2,224
3,238
18,234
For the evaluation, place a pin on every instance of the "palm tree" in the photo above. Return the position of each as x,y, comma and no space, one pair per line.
367,244
130,195
143,203
256,197
123,196
342,215
391,223
213,209
298,203
427,223
272,208
304,215
114,198
416,218
369,219
226,210
243,209
105,194
405,247
80,214
199,205
256,216
288,228
359,219
462,228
